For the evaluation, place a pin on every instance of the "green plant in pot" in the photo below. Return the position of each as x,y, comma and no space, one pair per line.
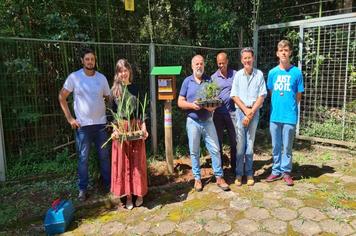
208,95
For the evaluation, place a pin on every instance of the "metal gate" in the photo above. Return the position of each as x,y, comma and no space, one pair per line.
324,49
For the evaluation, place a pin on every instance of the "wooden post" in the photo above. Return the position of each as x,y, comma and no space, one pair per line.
2,151
166,84
168,134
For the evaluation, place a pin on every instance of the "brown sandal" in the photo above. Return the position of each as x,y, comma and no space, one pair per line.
198,186
220,182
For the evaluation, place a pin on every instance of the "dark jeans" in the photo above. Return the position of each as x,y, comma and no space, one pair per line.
84,137
222,121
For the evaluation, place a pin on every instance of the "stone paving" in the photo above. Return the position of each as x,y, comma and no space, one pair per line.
324,205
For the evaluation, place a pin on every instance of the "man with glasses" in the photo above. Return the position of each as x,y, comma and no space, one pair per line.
248,92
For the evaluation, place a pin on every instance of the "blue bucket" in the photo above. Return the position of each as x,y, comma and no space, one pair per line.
58,217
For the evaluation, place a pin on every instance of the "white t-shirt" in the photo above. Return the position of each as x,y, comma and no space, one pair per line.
88,92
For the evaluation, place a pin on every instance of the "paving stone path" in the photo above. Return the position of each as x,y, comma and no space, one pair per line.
324,205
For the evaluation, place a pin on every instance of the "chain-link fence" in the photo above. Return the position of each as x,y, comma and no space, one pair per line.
33,71
325,51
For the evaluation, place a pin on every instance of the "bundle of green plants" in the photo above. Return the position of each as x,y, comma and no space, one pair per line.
126,123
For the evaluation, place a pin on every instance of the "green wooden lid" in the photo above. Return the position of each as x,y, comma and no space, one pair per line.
166,70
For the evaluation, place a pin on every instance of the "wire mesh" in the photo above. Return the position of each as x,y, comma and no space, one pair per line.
33,71
328,107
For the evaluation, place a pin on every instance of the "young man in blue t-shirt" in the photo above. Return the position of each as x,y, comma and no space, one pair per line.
285,83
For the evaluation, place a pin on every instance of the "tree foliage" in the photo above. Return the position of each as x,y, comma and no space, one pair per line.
207,23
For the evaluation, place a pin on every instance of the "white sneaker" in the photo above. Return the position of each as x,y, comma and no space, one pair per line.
129,204
82,196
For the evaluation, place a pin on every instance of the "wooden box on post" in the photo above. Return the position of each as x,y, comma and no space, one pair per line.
166,87
166,82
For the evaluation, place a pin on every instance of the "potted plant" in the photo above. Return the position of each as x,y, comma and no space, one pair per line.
208,95
125,124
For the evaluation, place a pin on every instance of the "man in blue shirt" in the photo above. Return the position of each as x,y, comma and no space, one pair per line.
224,116
285,83
200,124
248,92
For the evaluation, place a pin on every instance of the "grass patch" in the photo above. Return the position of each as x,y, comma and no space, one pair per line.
316,199
31,165
342,199
300,158
327,156
24,201
189,207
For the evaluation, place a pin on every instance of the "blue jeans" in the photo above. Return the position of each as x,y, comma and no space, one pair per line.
226,121
196,129
84,137
282,136
245,142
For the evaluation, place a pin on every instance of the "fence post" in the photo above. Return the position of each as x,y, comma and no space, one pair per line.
300,63
2,151
255,44
346,80
153,100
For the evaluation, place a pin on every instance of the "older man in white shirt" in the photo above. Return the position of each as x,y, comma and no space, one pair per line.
248,92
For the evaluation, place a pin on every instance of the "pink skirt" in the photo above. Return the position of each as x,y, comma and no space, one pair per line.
129,168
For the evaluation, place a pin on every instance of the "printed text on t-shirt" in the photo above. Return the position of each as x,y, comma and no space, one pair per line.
282,83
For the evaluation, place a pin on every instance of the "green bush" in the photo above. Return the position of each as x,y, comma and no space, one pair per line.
39,163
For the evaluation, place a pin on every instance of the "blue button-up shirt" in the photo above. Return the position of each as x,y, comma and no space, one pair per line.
248,87
225,90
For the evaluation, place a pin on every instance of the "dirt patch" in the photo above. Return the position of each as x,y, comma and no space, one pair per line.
159,175
182,171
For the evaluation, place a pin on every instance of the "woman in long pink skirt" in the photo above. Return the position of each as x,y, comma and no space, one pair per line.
128,164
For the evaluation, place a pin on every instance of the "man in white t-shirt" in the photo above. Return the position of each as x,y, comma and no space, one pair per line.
90,89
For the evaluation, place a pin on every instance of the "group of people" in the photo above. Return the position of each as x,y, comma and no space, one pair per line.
242,93
125,173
